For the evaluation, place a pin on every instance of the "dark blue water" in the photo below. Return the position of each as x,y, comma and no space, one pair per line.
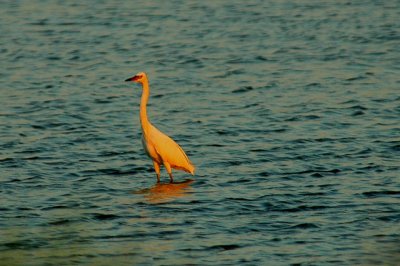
290,111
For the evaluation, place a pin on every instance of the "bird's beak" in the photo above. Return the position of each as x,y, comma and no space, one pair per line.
134,78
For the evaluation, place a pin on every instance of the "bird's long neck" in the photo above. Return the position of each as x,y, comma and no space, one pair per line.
143,106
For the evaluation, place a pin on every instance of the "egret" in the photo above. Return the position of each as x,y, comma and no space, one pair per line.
159,147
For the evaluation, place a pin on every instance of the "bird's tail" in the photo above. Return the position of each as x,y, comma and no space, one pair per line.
191,169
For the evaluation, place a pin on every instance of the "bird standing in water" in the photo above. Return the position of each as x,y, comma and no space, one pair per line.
159,147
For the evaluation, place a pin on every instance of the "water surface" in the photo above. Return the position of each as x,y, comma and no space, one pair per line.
290,112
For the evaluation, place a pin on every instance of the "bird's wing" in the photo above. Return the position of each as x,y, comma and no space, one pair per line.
169,150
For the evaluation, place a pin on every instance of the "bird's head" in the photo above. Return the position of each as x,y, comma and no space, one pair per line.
139,78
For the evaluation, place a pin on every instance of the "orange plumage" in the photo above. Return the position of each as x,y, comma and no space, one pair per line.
159,147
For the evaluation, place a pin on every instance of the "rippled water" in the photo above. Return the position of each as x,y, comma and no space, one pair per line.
289,109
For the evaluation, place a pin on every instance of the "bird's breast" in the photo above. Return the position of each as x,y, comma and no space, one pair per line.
150,150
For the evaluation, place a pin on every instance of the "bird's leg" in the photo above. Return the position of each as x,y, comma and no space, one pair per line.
157,169
168,167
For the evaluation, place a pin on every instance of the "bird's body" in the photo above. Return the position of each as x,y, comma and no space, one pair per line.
159,147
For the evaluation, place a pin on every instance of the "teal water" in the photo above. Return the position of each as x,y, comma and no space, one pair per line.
289,110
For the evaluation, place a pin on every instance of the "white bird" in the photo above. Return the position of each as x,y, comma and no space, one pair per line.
159,147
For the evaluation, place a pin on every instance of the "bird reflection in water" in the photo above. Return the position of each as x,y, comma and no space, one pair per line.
161,193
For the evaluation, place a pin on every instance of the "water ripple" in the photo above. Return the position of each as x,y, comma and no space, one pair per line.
289,110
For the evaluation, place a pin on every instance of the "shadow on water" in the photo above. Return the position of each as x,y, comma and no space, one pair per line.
165,192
